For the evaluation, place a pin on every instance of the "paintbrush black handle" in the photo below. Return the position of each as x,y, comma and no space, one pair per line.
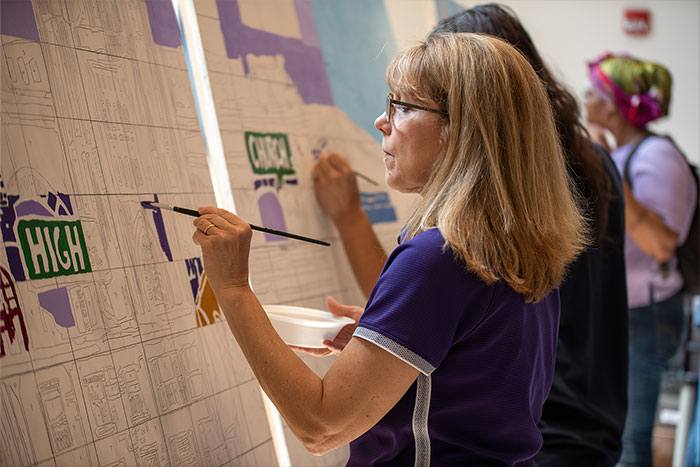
193,213
289,235
189,212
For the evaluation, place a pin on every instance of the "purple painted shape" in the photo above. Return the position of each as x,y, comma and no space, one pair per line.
51,200
164,27
160,227
17,19
67,208
264,182
194,270
305,15
28,207
64,208
272,216
57,303
14,259
303,63
7,228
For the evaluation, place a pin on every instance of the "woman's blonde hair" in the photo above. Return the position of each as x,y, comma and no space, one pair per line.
500,195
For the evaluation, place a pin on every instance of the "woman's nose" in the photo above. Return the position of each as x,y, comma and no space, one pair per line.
382,125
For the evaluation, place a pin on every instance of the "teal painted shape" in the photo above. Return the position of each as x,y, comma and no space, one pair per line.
447,8
357,45
453,8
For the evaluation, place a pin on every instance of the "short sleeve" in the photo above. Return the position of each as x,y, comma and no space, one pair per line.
423,303
662,181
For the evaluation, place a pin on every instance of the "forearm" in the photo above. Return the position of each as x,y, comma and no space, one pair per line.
362,248
294,389
648,230
357,391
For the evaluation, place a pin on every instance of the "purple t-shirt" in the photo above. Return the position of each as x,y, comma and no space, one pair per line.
486,361
661,181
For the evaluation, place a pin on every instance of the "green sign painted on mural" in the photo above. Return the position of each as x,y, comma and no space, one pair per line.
53,248
269,153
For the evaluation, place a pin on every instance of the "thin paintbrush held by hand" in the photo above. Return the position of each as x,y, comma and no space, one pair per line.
365,178
194,213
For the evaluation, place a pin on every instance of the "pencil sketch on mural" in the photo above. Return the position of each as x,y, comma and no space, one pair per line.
102,358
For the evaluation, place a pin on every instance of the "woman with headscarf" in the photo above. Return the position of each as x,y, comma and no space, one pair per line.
660,195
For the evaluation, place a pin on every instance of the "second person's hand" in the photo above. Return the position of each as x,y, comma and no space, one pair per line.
336,187
338,343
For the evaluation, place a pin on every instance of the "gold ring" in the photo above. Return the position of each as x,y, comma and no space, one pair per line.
207,229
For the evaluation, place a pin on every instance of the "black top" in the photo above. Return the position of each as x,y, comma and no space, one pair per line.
584,415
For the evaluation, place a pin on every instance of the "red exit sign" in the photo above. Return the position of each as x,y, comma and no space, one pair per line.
636,22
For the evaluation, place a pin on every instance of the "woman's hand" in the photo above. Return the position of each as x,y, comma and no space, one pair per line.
225,242
336,187
339,342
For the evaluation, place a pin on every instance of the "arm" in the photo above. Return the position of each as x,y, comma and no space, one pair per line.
363,249
657,211
361,386
337,192
647,229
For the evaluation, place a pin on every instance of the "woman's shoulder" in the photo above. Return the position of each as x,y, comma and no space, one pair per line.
658,155
428,244
658,142
658,148
427,253
428,238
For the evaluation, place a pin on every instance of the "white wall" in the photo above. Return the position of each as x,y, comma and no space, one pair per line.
570,32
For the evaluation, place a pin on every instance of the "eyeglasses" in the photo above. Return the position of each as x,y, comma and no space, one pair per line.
391,102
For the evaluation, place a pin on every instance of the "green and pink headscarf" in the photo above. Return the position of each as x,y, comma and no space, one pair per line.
641,90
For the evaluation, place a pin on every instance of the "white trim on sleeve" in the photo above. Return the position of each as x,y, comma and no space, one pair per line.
396,349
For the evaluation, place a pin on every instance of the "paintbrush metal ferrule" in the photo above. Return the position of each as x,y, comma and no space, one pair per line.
189,212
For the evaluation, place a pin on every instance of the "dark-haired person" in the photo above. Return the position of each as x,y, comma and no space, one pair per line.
583,418
627,93
453,356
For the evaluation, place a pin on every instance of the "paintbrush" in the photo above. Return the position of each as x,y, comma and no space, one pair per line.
366,178
193,213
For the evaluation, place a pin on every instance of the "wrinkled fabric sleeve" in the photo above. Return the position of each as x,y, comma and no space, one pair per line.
422,303
661,180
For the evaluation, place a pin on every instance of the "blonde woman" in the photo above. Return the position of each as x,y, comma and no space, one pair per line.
453,356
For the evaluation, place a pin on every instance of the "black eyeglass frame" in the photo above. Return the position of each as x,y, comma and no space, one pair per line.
390,102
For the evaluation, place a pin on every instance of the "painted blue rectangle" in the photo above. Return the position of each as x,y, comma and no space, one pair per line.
378,207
